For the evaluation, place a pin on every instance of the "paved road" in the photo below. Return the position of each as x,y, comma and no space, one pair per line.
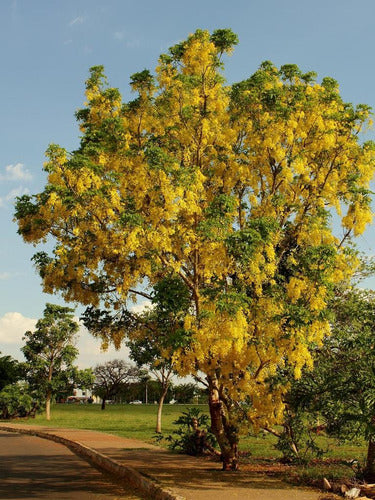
35,468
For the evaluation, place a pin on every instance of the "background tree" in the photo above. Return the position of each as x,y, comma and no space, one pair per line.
145,352
50,352
144,381
112,377
153,334
187,393
229,188
340,390
73,379
83,379
136,391
10,371
153,341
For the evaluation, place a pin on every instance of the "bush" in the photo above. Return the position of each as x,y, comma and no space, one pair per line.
297,441
15,401
193,436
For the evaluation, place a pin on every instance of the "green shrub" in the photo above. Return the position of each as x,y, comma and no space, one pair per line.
15,401
193,435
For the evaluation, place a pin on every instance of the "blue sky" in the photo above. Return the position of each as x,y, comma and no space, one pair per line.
47,47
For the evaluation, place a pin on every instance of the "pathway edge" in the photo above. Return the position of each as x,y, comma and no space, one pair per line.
144,484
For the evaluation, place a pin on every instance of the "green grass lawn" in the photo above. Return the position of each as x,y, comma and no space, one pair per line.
135,421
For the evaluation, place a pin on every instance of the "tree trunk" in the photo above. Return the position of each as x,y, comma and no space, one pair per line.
103,404
369,472
289,431
48,405
160,409
49,391
226,434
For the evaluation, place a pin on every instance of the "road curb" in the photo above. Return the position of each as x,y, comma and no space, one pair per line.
145,485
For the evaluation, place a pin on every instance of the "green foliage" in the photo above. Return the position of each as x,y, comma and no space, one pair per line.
104,324
16,401
339,391
298,441
217,221
170,296
192,414
313,473
97,76
157,158
192,435
113,377
50,353
185,393
83,378
10,371
243,244
224,39
342,385
142,79
159,329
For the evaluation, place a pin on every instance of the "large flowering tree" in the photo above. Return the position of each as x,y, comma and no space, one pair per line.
230,190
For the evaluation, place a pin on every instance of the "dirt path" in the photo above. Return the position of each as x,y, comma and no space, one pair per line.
200,479
187,477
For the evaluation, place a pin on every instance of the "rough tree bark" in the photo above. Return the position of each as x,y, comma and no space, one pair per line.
225,435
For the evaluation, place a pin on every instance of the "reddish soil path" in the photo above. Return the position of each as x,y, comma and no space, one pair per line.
188,477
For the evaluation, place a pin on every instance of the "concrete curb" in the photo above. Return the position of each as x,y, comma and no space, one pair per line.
145,485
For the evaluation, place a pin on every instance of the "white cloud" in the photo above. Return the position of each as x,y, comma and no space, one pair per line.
91,352
77,20
16,172
142,306
133,44
13,326
130,43
6,276
118,35
19,191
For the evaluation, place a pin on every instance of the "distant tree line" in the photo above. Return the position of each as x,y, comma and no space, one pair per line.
142,388
49,373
